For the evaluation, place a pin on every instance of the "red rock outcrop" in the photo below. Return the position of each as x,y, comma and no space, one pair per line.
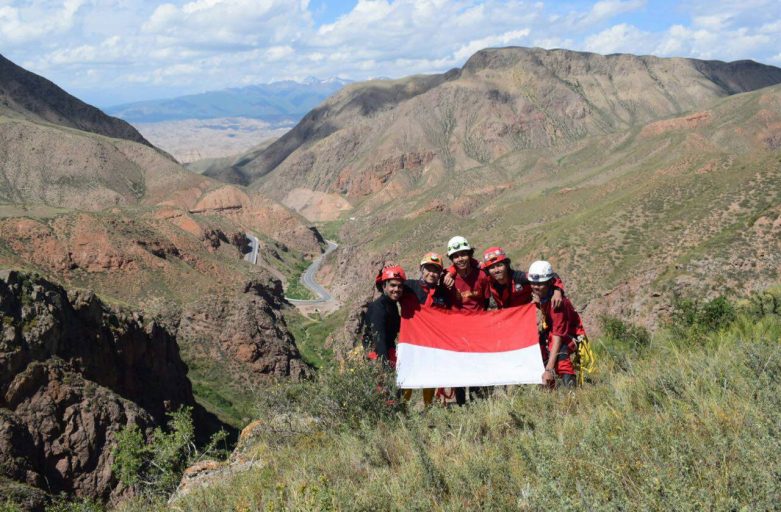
74,372
249,328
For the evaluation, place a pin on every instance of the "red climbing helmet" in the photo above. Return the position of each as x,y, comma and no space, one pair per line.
387,273
494,255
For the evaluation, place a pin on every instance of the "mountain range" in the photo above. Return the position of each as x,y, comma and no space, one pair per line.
274,103
639,177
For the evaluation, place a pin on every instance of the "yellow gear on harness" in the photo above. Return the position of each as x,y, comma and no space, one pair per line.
584,360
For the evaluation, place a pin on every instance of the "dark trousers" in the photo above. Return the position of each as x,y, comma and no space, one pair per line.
474,393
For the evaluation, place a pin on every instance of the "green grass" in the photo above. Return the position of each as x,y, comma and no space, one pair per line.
232,401
684,423
295,288
311,334
330,230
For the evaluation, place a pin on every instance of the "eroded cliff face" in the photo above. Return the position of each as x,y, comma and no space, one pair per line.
245,332
73,373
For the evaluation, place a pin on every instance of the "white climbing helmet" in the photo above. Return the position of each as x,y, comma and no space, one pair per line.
457,244
540,272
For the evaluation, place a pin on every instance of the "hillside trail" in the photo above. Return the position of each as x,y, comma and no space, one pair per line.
325,302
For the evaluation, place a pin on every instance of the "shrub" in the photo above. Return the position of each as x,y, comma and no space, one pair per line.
763,304
691,319
632,335
348,396
155,468
62,504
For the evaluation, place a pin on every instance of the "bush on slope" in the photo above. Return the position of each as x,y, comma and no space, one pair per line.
690,421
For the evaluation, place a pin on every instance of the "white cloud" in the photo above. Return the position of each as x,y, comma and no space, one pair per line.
607,9
729,44
183,46
599,13
513,37
36,19
620,38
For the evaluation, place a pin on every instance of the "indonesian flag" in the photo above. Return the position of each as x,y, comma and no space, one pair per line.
446,348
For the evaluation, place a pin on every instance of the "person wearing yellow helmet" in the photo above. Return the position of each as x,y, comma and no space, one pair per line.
427,291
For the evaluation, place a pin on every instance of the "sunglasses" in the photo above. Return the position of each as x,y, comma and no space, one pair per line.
458,245
540,277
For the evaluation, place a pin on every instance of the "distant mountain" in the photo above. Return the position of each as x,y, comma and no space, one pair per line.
638,177
502,100
274,102
37,99
58,152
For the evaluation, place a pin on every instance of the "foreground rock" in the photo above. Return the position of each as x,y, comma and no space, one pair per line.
73,373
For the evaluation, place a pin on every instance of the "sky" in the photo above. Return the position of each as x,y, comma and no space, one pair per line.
109,52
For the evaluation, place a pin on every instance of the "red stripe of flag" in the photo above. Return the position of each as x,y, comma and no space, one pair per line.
471,331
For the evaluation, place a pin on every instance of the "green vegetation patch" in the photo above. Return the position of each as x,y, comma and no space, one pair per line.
295,288
676,425
311,334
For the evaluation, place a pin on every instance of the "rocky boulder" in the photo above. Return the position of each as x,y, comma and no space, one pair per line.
73,373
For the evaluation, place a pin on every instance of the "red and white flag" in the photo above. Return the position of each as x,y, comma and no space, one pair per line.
445,348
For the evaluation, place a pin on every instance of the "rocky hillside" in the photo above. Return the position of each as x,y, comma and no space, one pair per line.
185,269
73,372
386,135
639,177
57,152
35,98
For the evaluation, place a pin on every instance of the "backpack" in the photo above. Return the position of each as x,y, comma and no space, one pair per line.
583,358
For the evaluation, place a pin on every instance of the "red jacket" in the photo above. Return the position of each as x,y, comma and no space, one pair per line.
472,292
564,322
517,292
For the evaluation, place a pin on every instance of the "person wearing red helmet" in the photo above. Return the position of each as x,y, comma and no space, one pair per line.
557,328
382,315
508,287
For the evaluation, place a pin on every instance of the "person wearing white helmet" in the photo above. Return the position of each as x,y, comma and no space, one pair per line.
468,287
557,327
467,284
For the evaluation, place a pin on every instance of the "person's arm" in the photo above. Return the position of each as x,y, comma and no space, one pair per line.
553,357
558,292
377,318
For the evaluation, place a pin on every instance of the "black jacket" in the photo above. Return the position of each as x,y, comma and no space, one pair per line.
383,322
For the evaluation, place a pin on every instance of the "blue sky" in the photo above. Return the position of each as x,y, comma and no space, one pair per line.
114,51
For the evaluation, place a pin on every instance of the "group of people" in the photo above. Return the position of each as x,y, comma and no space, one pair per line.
469,284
